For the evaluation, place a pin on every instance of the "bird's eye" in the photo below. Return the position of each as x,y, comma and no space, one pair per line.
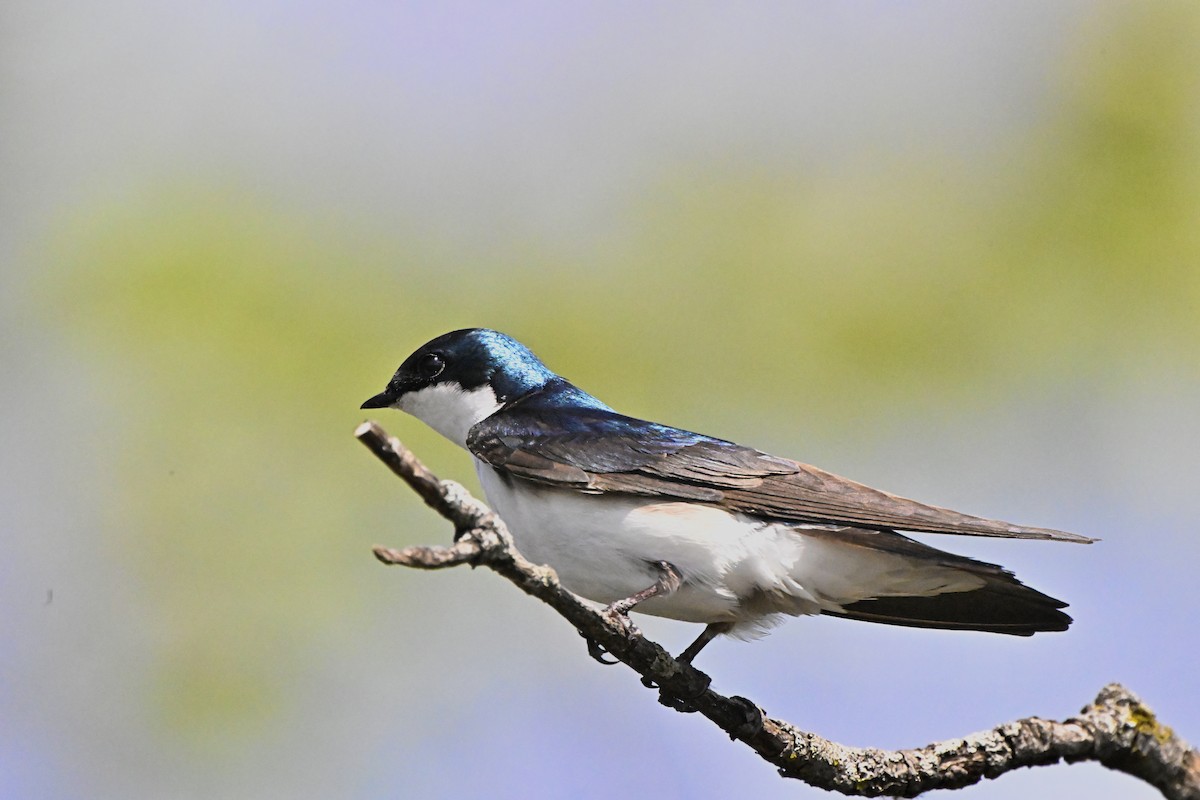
430,366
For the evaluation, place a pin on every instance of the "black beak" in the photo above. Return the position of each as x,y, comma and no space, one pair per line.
381,400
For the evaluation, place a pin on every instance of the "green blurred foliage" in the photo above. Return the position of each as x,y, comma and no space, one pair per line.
230,354
238,337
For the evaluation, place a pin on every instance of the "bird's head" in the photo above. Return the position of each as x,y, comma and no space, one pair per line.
461,378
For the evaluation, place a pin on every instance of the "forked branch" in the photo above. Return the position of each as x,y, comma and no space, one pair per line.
1116,729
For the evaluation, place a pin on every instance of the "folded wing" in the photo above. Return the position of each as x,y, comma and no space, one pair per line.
597,450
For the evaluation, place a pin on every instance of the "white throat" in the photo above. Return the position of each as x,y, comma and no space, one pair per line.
449,409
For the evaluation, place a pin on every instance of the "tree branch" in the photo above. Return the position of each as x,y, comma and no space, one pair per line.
1116,729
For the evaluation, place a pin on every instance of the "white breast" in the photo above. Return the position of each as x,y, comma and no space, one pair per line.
604,548
735,568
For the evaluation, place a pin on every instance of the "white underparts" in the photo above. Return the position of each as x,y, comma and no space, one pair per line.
735,568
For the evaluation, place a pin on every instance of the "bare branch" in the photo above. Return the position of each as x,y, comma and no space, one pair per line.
1116,729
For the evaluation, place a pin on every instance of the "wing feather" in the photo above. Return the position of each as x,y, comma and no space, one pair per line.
597,450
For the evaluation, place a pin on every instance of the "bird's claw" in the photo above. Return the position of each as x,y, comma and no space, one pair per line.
676,703
618,617
622,621
681,704
753,723
597,651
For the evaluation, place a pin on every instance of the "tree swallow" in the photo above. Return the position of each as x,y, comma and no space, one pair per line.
631,513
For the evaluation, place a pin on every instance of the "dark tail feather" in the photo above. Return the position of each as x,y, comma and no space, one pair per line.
1004,605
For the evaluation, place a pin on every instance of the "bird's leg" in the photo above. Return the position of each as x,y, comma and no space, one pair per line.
683,704
668,581
711,631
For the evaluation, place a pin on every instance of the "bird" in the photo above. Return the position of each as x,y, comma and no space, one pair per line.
633,514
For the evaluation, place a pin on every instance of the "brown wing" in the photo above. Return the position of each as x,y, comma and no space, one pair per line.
597,451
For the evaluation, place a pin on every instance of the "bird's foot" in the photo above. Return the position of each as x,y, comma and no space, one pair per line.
682,704
753,720
676,703
617,615
597,651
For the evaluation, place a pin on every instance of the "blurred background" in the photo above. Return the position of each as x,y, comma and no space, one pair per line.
951,250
